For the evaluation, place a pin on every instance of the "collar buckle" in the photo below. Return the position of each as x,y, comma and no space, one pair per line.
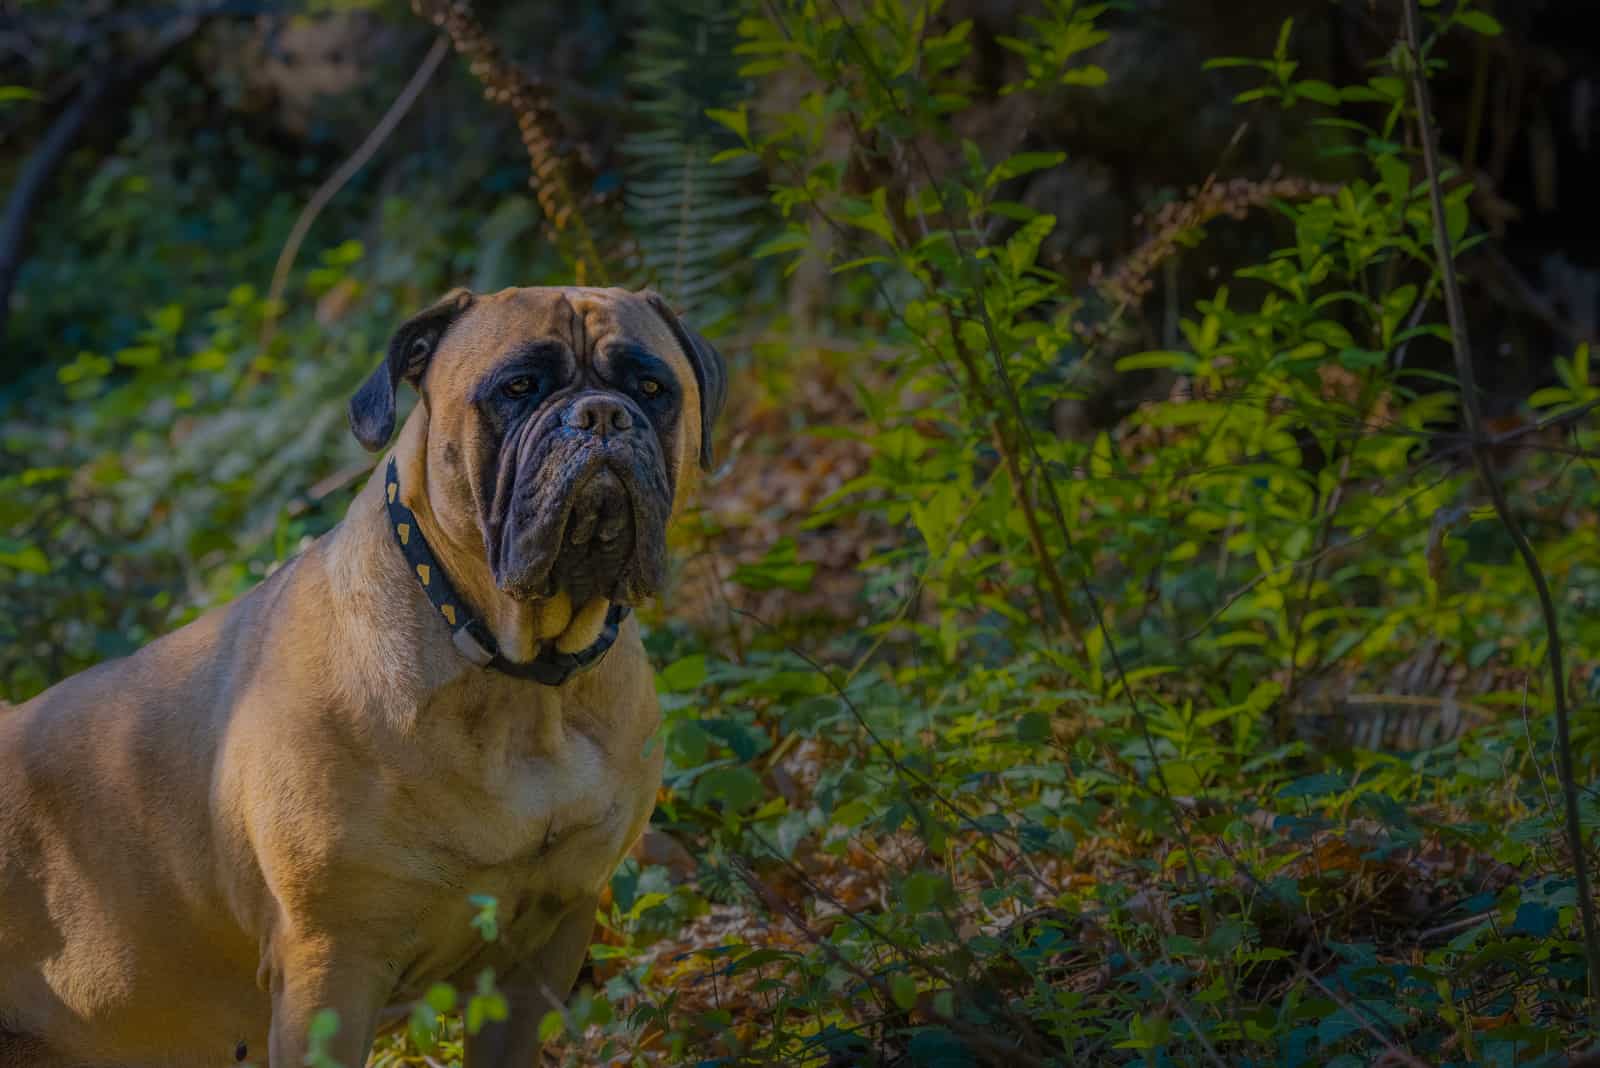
469,647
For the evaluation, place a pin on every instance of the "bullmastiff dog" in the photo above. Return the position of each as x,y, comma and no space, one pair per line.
286,805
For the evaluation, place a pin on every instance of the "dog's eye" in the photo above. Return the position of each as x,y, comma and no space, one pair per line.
417,356
520,386
649,387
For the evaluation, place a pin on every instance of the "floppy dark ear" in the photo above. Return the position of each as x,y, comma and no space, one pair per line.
710,372
372,407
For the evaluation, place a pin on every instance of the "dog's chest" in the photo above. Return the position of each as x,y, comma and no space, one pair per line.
510,833
574,807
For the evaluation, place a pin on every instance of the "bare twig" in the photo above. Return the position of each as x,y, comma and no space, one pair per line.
1004,1052
1396,1053
1480,451
1454,926
339,178
1019,484
1015,856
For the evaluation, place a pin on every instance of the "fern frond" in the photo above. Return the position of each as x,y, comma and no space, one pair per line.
694,221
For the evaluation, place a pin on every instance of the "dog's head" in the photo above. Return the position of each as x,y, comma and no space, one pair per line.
562,426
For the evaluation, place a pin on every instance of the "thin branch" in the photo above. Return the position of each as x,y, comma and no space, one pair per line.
991,336
1017,857
1001,1051
341,177
1480,451
1396,1052
1019,484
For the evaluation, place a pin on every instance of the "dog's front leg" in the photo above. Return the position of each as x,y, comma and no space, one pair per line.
539,984
315,975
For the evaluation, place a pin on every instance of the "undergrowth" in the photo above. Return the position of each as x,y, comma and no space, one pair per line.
1217,737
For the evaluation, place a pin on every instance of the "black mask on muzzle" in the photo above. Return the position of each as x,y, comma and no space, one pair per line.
580,508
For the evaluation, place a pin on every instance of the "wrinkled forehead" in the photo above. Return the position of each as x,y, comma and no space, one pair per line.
585,319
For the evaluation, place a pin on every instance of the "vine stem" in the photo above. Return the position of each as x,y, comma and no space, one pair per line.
341,177
1480,452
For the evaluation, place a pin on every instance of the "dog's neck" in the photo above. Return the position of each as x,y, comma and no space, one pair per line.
384,614
381,623
399,670
518,626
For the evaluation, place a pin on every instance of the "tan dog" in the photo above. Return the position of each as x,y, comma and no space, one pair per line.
286,805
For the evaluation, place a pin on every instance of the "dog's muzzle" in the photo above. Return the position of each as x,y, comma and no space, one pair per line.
581,504
600,537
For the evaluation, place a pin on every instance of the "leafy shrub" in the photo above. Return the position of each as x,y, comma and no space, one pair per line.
1218,736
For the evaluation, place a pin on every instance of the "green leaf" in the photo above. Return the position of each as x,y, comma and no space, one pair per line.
324,1025
1321,92
168,320
1158,361
903,989
923,889
757,958
858,263
1033,728
1022,248
780,568
683,674
735,788
791,240
139,356
869,215
208,361
441,997
486,1005
1320,784
1090,75
486,920
423,1027
21,557
550,1026
1387,87
1010,209
735,119
1023,163
1480,22
851,814
1281,49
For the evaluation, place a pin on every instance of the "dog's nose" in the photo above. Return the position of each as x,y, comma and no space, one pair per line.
598,414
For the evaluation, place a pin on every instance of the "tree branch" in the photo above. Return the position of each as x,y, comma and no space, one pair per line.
1480,452
105,86
339,178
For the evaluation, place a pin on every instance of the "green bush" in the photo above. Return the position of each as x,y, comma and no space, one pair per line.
1219,736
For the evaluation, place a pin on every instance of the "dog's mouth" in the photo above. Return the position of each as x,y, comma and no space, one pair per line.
575,515
598,542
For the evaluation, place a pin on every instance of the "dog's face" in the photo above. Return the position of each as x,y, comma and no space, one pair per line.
561,427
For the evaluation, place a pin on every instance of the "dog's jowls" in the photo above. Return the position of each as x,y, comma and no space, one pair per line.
285,805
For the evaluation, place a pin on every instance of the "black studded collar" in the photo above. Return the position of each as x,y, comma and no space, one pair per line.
468,633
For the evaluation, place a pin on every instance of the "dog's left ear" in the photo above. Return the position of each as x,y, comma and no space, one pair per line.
710,372
372,408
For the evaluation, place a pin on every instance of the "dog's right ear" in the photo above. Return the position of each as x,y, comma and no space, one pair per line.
372,408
